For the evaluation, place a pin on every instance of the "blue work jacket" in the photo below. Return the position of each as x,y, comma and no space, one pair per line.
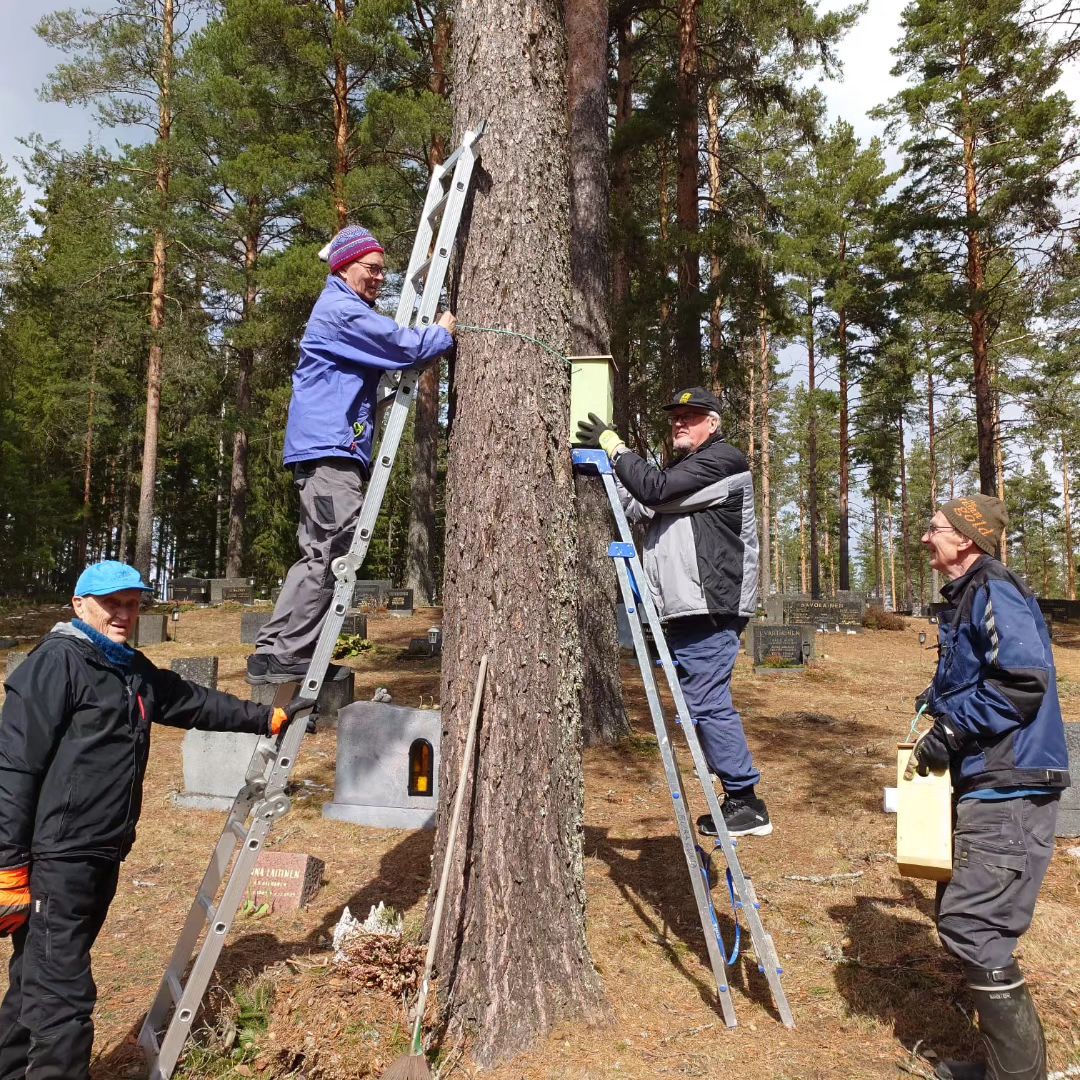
996,686
344,351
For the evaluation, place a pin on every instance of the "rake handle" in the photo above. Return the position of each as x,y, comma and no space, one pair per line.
451,839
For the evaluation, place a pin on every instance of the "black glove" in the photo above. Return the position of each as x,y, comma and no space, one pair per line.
933,751
589,432
281,716
923,701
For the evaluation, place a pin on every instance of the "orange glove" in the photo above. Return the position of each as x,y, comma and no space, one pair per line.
14,898
281,718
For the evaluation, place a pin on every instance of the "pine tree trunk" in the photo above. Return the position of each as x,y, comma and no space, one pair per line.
804,577
145,530
845,458
88,472
688,277
905,544
603,715
932,444
1070,566
720,375
341,124
421,571
621,198
516,962
238,477
766,464
892,553
999,475
812,510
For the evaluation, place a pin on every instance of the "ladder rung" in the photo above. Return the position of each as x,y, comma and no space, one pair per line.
238,829
176,987
421,273
437,209
204,903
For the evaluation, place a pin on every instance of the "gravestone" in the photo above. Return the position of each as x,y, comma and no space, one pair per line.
370,590
275,594
190,590
376,745
251,622
788,642
151,630
284,880
215,762
14,659
399,601
235,589
422,646
1068,823
355,622
334,695
830,612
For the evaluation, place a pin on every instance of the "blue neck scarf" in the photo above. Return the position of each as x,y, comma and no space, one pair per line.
118,653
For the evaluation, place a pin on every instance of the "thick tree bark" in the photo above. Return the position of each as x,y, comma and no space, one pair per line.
721,376
603,715
421,571
687,329
766,463
514,961
145,529
844,539
621,190
238,478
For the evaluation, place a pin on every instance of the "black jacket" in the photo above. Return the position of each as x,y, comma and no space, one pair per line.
701,548
74,743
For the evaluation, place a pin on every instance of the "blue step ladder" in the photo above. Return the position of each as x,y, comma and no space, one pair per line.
641,612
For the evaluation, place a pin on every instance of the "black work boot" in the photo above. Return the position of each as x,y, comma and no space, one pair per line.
1010,1027
959,1070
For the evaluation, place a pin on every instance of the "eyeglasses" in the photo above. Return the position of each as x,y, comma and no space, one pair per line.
374,269
689,418
932,528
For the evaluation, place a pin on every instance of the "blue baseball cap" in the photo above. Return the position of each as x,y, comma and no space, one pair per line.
107,577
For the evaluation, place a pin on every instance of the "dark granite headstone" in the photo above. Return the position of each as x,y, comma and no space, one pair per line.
334,695
399,601
201,670
355,623
14,659
1068,823
830,612
1062,611
151,629
284,880
769,644
371,590
235,589
251,622
421,646
190,590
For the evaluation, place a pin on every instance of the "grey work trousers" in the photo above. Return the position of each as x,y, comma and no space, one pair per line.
1001,851
331,494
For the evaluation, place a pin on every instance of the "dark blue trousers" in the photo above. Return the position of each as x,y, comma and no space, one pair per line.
706,648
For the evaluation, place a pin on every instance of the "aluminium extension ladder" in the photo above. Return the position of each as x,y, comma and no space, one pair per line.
641,612
263,799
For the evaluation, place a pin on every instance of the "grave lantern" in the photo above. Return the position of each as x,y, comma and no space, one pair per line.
922,637
433,635
421,768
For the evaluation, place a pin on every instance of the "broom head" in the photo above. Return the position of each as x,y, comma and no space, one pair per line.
409,1067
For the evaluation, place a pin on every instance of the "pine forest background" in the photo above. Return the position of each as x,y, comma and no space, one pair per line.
152,298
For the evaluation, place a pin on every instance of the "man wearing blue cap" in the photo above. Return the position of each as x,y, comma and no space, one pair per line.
74,744
344,352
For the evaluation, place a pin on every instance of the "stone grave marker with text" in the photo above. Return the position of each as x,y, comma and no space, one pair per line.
251,622
333,697
399,601
284,880
238,590
152,629
370,590
779,645
355,622
190,590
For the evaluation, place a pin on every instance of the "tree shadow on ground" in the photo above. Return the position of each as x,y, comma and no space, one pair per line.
892,968
650,874
403,876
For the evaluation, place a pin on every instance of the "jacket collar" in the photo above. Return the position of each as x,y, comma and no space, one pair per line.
952,590
114,653
334,282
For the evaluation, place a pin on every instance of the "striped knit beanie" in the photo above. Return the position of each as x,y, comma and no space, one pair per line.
981,518
352,243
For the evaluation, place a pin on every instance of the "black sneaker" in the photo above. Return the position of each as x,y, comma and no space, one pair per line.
267,668
743,817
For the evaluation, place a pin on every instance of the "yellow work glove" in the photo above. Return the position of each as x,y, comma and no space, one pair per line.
594,432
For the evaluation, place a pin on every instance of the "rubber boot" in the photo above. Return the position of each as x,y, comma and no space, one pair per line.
1011,1031
959,1070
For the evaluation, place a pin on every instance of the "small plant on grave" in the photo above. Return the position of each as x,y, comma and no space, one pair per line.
351,645
877,618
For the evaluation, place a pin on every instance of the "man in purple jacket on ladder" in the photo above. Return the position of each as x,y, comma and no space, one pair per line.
344,352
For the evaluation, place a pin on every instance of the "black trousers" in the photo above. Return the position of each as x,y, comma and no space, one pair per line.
46,1029
1001,851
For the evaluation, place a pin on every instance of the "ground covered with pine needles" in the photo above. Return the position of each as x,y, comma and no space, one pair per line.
871,989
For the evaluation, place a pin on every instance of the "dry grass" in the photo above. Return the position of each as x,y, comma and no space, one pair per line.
865,975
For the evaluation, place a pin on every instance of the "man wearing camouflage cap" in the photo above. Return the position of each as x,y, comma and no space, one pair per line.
997,726
701,567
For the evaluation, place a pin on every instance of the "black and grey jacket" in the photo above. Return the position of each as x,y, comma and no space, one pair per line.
74,744
701,547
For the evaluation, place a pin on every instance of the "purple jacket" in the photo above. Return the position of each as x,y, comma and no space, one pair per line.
344,351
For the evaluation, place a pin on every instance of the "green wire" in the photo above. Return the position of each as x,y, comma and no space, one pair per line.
915,723
513,333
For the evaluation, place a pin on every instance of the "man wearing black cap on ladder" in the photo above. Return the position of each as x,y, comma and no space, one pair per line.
701,568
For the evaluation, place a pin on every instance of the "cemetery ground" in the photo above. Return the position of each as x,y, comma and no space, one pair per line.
866,977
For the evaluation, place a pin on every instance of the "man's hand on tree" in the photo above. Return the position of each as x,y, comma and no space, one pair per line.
595,433
448,321
14,899
933,751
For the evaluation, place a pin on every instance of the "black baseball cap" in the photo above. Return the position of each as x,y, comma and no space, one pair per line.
695,397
